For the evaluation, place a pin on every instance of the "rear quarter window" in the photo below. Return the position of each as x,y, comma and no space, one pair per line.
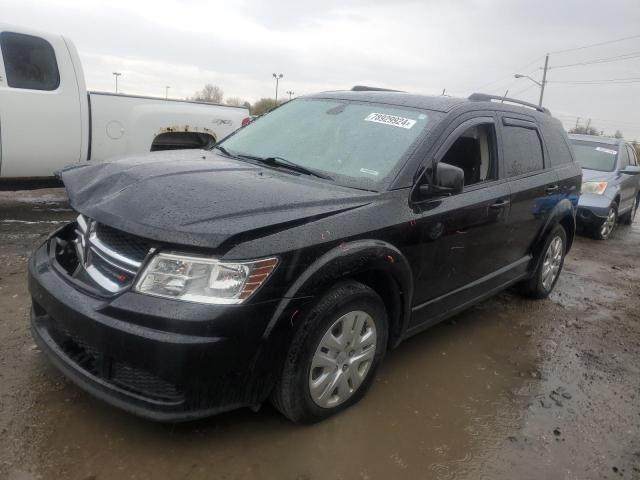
522,150
29,62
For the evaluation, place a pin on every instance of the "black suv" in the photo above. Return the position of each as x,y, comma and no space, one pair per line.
287,260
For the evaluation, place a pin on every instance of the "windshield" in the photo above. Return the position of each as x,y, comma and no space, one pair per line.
356,144
595,156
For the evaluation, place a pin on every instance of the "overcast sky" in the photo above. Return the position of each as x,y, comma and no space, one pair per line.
418,46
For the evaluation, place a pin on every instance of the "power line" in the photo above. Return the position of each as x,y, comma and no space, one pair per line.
599,81
508,76
520,92
616,58
569,117
595,44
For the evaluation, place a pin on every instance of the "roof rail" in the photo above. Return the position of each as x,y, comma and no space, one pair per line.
364,88
483,97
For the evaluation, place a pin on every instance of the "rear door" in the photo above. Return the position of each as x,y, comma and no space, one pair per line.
532,180
39,106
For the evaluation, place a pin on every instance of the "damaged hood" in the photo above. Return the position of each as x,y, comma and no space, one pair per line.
199,198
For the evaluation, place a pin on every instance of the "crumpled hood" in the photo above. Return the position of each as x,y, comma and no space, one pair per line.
199,198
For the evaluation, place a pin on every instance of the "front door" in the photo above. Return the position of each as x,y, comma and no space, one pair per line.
628,183
461,234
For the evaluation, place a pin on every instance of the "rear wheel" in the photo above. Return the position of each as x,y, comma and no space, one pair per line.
607,227
630,217
334,355
541,284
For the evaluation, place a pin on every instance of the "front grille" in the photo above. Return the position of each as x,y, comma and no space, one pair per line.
106,257
128,245
120,374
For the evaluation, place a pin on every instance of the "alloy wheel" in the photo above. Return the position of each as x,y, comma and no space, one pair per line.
343,359
551,263
609,223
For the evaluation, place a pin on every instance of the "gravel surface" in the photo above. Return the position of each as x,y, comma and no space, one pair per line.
509,389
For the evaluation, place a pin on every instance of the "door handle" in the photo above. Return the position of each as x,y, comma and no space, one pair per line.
499,204
552,189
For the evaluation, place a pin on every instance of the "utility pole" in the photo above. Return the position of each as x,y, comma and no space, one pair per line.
290,93
587,127
544,78
166,91
277,76
116,74
443,91
577,122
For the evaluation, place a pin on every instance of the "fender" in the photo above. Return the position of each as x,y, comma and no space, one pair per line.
349,259
342,261
563,211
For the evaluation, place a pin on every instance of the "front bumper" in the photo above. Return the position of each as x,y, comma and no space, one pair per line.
593,209
158,358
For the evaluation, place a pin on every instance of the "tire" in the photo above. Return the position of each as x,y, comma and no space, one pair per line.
321,325
606,228
630,217
539,285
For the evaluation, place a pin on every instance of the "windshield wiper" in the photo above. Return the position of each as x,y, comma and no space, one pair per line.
283,162
223,150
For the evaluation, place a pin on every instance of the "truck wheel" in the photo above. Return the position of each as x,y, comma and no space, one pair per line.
604,231
541,284
630,217
334,355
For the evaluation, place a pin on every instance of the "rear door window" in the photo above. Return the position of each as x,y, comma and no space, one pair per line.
522,149
29,62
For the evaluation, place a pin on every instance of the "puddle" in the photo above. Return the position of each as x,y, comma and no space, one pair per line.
473,398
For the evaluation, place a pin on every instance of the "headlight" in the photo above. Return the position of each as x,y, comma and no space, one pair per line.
203,279
594,187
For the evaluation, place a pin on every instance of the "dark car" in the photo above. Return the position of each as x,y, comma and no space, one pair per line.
610,183
285,262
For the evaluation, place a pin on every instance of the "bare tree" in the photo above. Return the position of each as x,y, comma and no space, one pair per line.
588,130
618,134
264,105
236,102
210,93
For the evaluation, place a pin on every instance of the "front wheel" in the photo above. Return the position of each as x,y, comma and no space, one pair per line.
608,225
541,284
334,355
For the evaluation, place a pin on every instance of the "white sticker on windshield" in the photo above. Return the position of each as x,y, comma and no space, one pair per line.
391,120
370,172
607,150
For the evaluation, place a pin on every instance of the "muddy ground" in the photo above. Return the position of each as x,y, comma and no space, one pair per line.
510,389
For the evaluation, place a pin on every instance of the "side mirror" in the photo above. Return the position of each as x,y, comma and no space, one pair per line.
449,180
631,170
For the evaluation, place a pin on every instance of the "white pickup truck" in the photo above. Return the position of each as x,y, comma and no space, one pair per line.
49,120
